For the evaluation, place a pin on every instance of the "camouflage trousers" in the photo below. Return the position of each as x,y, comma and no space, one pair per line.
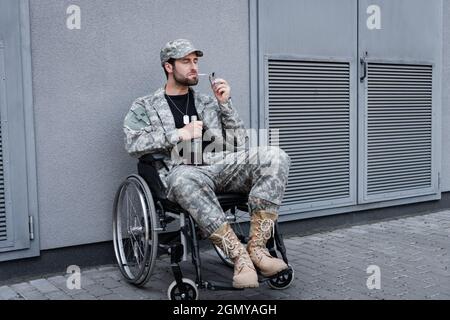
260,172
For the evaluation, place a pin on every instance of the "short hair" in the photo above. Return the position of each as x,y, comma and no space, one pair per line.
172,62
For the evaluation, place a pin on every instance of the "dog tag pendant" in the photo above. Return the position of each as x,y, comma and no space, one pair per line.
186,119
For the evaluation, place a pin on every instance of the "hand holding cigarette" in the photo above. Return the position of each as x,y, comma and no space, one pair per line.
220,87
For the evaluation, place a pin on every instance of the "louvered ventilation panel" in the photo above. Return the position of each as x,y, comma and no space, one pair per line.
309,102
399,127
3,233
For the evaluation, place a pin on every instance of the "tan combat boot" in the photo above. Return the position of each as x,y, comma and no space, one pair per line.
262,227
244,272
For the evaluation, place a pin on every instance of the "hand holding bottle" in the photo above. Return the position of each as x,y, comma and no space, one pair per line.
191,131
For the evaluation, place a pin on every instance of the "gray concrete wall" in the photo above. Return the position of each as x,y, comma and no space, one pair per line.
84,82
446,100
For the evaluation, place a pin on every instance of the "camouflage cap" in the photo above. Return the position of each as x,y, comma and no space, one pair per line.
178,49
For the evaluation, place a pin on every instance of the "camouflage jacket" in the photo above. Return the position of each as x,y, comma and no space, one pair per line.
149,127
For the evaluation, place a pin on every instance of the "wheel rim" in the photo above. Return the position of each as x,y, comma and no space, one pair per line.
283,281
190,294
134,241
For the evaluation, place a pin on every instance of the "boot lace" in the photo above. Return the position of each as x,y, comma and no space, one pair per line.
264,232
233,248
242,262
227,243
267,228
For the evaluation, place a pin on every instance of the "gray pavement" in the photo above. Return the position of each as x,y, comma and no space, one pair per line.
411,255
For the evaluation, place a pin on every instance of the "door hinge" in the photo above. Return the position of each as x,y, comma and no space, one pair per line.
31,227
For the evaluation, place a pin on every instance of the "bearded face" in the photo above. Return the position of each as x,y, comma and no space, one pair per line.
185,70
185,78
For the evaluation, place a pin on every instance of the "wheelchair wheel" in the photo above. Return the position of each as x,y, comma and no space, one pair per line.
134,230
190,293
239,231
283,281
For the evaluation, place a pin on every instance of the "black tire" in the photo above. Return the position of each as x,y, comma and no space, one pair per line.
283,281
191,293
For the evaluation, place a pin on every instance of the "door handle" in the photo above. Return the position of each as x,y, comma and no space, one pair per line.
363,72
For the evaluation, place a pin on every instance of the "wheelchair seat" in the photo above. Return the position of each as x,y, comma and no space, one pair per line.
147,169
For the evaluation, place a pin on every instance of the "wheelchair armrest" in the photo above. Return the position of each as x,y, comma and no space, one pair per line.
150,174
151,158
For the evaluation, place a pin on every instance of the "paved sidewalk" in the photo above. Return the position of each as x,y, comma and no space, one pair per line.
412,255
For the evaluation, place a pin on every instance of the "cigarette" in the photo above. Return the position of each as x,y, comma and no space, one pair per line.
202,74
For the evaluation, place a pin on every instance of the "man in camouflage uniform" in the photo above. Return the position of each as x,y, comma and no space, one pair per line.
261,172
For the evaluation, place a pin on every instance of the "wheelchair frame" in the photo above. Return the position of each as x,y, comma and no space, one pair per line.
144,234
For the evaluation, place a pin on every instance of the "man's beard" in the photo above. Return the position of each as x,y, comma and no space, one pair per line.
183,81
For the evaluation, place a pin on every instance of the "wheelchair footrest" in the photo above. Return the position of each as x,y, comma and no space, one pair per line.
282,273
216,285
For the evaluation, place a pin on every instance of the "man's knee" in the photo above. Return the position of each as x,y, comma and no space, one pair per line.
275,155
184,182
284,157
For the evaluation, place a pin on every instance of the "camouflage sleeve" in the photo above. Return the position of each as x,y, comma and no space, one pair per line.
141,137
233,124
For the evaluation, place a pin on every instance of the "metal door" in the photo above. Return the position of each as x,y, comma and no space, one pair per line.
399,50
307,67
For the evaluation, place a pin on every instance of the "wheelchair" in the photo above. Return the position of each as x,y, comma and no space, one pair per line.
143,220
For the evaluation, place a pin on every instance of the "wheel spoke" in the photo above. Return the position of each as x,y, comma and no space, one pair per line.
128,215
128,244
133,224
134,209
136,252
137,242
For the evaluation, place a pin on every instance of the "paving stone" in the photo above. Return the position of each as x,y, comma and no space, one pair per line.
93,274
58,296
112,296
43,285
114,274
58,280
128,293
110,283
23,287
6,293
34,295
97,290
83,295
412,254
61,283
